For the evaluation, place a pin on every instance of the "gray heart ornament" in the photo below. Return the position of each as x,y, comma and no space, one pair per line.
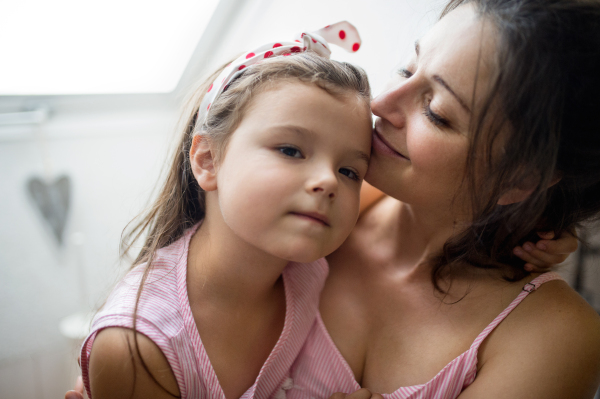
53,200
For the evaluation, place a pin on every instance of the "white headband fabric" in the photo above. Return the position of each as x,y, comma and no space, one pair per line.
343,34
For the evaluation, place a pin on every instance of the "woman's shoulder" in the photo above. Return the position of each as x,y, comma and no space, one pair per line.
556,306
549,345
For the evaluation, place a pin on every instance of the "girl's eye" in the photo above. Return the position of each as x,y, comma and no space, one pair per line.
433,117
290,152
350,173
405,73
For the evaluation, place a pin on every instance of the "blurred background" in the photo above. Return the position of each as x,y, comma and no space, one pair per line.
89,98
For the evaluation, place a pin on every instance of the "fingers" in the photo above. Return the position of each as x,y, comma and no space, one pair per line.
531,254
565,243
79,385
73,395
546,252
77,393
546,235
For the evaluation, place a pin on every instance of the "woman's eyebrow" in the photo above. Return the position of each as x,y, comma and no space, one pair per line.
442,82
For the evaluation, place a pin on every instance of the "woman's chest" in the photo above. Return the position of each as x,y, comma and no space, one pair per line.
393,331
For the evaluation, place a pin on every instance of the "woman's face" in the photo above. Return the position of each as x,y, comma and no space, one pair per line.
420,140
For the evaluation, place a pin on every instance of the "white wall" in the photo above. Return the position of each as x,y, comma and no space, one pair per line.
113,160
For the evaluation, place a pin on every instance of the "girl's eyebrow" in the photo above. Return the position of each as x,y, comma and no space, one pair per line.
363,156
302,131
445,85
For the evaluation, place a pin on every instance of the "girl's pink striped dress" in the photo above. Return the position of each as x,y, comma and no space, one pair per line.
321,370
164,315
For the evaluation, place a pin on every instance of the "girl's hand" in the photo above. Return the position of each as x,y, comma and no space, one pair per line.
363,393
547,252
78,392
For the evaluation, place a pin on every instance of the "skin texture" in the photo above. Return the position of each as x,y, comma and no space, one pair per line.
379,304
291,162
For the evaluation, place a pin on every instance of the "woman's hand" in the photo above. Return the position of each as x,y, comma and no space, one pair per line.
547,252
363,393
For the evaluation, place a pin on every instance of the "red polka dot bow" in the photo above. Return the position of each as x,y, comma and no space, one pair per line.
343,34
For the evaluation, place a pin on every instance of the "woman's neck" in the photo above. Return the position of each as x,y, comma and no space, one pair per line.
225,269
417,234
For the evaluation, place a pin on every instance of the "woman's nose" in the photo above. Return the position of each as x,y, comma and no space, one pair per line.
390,104
324,182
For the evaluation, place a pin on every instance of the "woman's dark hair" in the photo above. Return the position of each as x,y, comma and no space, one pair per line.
537,125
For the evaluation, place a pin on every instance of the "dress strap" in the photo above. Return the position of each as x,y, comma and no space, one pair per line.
527,289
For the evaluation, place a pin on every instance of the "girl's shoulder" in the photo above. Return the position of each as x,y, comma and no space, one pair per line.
118,355
160,299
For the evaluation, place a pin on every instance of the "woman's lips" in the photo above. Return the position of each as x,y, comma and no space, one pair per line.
383,146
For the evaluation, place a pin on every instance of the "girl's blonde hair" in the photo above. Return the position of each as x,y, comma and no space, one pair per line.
180,203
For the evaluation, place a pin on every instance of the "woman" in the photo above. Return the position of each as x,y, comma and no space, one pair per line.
506,90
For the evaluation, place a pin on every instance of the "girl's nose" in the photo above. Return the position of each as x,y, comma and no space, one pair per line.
323,183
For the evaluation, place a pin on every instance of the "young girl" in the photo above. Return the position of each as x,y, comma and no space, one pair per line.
265,183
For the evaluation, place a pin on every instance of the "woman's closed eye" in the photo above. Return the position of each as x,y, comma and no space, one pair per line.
291,152
432,116
349,173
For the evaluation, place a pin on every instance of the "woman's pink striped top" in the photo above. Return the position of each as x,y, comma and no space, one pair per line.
164,315
320,369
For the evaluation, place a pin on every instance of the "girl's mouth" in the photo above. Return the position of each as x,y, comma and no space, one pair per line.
313,216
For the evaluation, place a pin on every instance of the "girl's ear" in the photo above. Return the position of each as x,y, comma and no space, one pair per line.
203,165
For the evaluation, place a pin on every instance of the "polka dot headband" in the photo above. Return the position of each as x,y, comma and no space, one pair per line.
343,34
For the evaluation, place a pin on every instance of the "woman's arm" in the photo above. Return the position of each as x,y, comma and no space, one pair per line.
116,370
549,349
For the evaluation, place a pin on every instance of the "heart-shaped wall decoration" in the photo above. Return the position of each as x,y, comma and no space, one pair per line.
52,199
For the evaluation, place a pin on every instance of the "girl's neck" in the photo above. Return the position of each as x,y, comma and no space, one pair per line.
226,270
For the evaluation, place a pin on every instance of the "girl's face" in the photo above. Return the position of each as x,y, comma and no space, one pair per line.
420,139
290,179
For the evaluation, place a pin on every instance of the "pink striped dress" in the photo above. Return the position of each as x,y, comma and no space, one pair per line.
164,315
320,369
